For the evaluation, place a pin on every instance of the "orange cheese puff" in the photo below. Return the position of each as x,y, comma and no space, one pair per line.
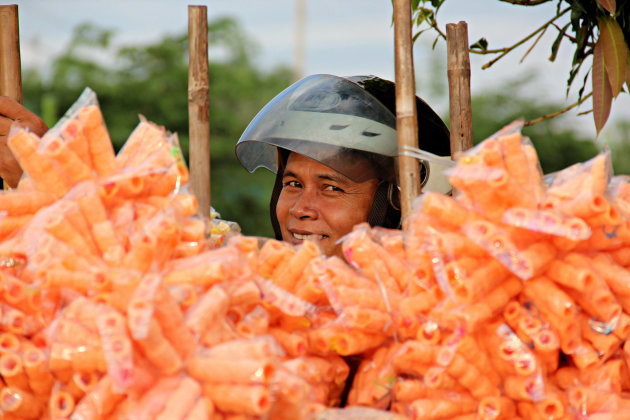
446,209
610,218
98,402
468,347
254,348
205,269
598,301
621,256
524,388
99,144
612,375
82,382
601,337
506,186
548,297
479,282
70,164
194,230
408,389
538,256
567,275
294,343
515,159
141,255
616,276
287,276
11,224
348,342
20,403
61,404
72,133
170,317
142,140
9,343
20,203
429,331
35,364
202,410
547,349
255,322
315,370
168,180
61,228
12,371
496,408
252,400
527,410
87,358
466,374
208,308
414,357
592,400
373,383
585,356
273,255
565,377
74,215
159,351
218,370
39,167
365,319
430,408
76,280
181,400
492,303
553,405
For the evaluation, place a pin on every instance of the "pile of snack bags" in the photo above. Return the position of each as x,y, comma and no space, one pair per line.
509,299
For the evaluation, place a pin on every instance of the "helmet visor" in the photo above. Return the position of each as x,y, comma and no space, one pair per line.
326,118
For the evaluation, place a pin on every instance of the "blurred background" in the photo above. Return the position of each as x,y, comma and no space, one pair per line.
133,54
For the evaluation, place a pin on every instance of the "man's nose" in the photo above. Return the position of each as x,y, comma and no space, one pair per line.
305,205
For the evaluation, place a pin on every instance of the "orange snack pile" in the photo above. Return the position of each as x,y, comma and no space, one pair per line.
509,300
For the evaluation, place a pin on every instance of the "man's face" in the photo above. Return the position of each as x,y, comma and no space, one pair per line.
320,204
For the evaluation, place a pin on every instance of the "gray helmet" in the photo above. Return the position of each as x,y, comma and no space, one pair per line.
339,121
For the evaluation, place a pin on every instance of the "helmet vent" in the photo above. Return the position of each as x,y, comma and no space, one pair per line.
370,134
337,127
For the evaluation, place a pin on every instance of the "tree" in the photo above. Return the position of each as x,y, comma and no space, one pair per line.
597,28
152,80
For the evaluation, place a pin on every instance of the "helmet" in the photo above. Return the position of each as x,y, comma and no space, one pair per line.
339,121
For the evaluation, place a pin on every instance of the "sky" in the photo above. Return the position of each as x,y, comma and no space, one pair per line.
342,37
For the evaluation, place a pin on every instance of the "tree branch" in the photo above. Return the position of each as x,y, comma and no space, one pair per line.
555,114
506,50
525,2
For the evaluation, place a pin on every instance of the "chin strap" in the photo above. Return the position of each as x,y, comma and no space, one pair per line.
275,193
384,211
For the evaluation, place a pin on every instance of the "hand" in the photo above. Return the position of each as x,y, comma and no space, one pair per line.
11,110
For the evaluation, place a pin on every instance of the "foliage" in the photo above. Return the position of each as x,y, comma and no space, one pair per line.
597,28
152,80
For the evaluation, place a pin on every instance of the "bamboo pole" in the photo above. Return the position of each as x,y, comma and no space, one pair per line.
406,113
10,64
459,87
199,106
10,67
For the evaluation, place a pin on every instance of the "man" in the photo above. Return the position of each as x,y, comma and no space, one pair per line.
332,143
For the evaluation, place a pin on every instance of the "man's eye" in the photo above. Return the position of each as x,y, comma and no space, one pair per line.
333,188
291,184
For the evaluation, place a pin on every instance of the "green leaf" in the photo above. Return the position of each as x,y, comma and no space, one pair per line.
602,95
615,52
481,45
556,43
609,5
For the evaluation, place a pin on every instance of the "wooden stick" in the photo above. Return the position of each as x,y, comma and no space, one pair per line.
199,106
10,67
459,87
406,113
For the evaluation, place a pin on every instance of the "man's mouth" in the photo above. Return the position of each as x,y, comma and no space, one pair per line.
311,236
